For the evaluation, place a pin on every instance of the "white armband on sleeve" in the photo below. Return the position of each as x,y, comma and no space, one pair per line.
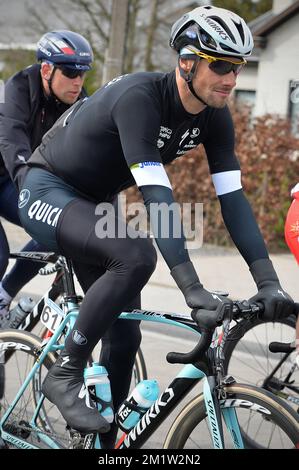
148,173
295,189
227,182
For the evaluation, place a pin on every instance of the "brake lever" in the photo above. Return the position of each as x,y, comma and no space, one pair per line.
207,321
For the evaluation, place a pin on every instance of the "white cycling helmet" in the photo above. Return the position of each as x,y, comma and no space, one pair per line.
212,30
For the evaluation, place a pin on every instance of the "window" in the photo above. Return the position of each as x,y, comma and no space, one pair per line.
294,106
245,97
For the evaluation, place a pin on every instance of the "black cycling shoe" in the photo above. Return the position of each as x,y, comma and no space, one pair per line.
64,386
108,440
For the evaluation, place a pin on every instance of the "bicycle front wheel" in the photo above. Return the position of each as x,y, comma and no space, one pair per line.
248,359
261,415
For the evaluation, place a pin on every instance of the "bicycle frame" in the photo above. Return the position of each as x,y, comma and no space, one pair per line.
187,378
56,289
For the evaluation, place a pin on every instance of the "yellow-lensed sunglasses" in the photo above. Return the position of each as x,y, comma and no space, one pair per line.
221,65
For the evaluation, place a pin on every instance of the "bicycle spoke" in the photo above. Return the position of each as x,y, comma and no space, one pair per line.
257,364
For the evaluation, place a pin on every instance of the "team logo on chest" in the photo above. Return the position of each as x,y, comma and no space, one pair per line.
189,140
164,136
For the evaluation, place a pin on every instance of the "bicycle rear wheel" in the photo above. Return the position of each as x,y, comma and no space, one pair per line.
139,369
26,347
263,416
23,350
248,359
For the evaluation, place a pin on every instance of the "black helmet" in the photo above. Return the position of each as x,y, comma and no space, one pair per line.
65,48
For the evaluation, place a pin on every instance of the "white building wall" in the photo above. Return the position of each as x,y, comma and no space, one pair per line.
279,5
279,63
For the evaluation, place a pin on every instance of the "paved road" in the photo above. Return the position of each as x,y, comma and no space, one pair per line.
219,269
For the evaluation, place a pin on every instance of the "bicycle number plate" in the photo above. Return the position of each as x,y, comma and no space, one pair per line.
51,315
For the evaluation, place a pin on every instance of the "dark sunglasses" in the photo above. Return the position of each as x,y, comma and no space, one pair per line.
71,73
224,65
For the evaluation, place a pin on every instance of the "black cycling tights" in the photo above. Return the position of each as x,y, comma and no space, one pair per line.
120,343
112,272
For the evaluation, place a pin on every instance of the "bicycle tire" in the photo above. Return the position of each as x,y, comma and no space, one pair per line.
2,380
139,369
247,355
25,346
246,400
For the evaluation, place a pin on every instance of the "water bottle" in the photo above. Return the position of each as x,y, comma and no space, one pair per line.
97,376
141,399
19,312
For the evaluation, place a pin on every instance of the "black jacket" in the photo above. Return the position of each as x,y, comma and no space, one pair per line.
25,116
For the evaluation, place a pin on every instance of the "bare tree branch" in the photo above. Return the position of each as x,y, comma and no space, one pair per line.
134,7
39,26
148,26
85,5
105,13
150,35
54,5
81,8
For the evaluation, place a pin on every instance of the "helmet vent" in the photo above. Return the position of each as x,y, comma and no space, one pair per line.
241,31
69,43
206,39
224,26
228,49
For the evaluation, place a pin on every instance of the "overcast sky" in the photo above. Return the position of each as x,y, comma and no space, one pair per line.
15,20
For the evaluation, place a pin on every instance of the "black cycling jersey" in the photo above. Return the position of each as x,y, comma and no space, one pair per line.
135,118
92,152
25,116
139,121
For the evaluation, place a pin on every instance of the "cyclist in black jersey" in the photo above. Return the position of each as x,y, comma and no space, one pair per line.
34,99
123,135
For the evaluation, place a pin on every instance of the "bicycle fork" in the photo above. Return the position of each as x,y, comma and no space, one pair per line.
213,411
216,408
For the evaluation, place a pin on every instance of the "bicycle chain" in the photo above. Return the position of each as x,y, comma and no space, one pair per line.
75,441
13,427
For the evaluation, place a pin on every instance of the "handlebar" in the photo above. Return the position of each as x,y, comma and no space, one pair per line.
243,307
276,347
196,353
207,321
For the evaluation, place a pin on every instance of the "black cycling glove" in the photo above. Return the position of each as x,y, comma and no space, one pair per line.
276,302
195,294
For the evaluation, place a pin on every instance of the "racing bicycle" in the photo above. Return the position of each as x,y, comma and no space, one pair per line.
42,313
225,415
